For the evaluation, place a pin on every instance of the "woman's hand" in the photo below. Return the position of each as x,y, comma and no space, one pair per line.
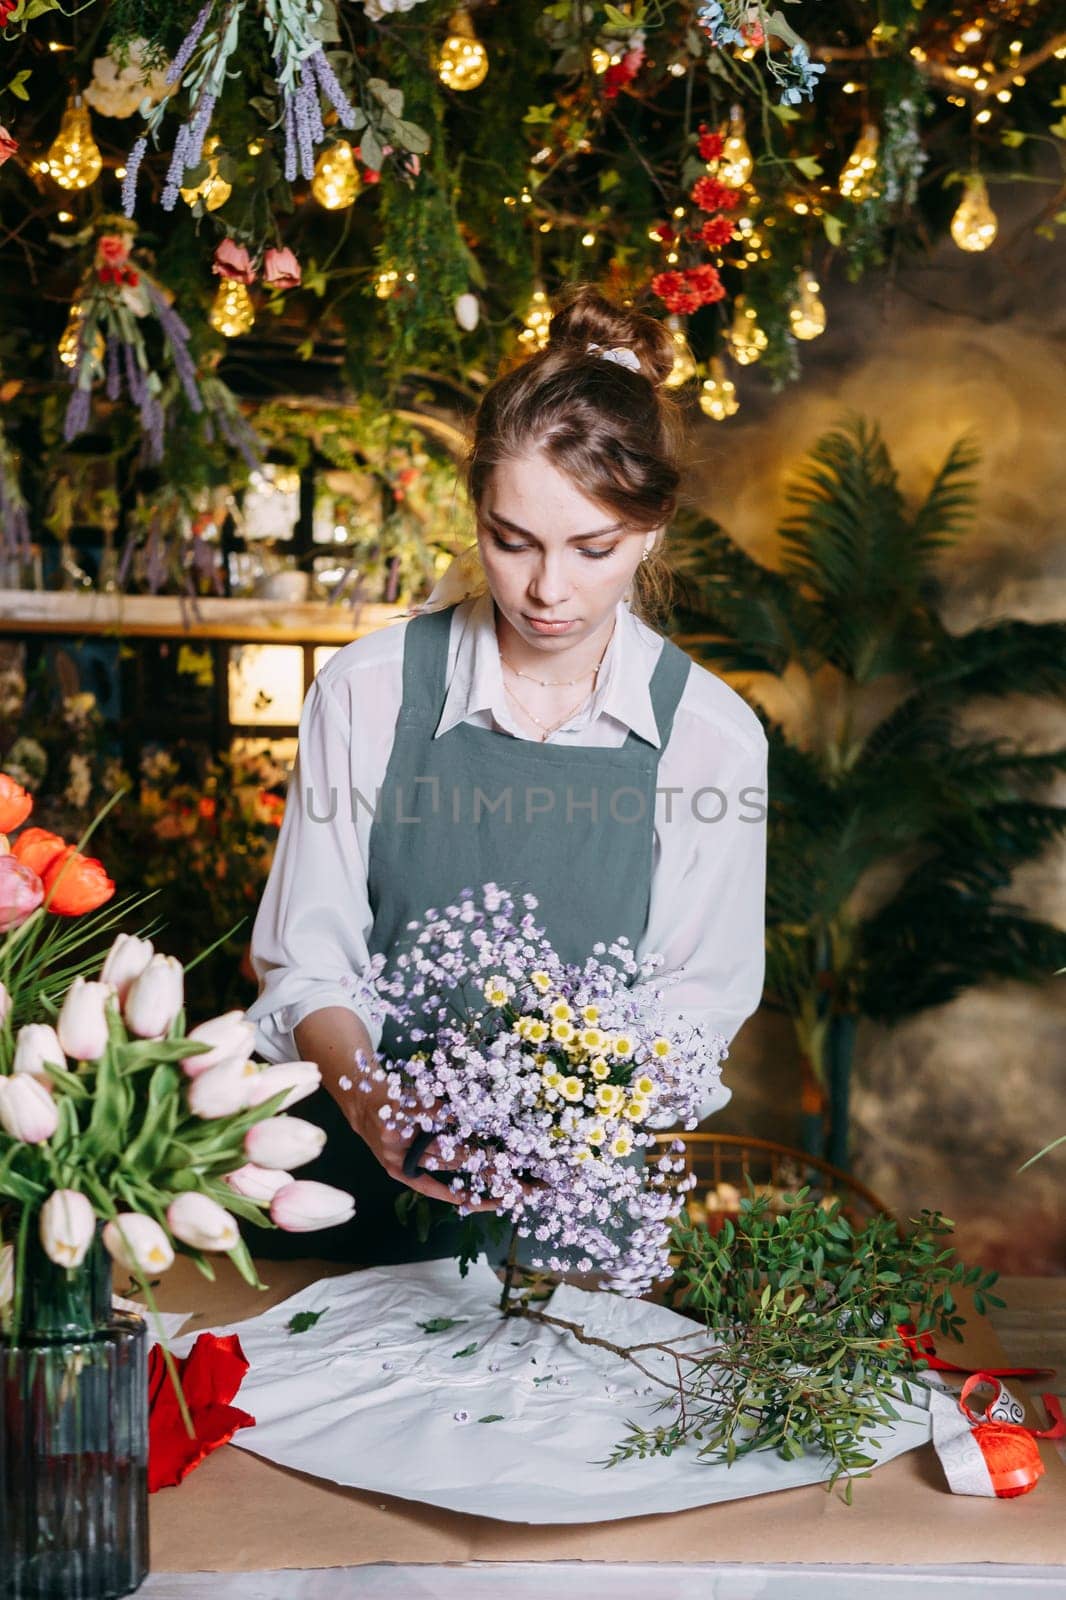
363,1110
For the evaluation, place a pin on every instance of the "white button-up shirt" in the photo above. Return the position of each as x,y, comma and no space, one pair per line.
706,914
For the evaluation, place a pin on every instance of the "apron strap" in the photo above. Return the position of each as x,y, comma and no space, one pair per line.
666,688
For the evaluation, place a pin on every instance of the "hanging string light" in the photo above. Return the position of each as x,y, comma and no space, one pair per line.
386,283
214,191
684,368
974,225
858,180
336,183
74,160
747,340
70,339
232,311
464,61
735,163
718,393
807,313
534,335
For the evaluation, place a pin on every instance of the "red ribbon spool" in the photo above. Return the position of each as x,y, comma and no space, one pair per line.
1010,1450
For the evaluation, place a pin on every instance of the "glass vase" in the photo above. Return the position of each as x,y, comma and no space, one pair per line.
73,1437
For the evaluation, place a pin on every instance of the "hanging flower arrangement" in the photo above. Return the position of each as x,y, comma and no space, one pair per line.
105,344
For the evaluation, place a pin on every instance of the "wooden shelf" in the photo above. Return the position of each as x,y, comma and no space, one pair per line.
174,616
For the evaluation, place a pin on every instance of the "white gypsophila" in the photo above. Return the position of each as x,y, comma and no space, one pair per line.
116,90
376,10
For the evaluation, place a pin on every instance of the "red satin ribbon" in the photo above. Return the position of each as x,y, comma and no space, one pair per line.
921,1347
1051,1401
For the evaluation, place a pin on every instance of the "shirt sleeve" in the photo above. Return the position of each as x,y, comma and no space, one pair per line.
309,944
707,912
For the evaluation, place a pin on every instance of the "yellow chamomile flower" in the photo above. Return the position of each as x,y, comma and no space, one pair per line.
537,1031
609,1097
590,1014
562,1031
636,1108
621,1145
593,1040
595,1134
582,1155
559,1011
621,1045
572,1089
599,1069
540,1059
552,1079
644,1086
660,1048
497,990
541,981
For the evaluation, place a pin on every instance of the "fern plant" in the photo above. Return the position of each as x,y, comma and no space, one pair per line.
893,832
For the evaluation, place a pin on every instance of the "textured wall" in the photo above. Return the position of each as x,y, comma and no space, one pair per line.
947,1106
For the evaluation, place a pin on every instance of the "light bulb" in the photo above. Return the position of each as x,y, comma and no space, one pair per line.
747,341
684,367
601,60
858,181
232,312
807,313
213,191
336,183
537,320
464,61
718,393
974,225
74,160
735,162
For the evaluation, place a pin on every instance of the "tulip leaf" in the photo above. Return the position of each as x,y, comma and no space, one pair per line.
468,1350
245,1265
440,1324
201,1262
160,1120
239,1204
106,1134
494,1416
304,1320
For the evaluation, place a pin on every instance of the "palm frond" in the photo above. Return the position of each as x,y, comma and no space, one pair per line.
731,611
1002,658
949,506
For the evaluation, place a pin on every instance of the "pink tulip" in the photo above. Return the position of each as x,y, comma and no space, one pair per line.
21,892
27,1110
222,1091
201,1222
231,1038
233,261
155,997
281,270
138,1243
283,1142
36,1044
257,1183
304,1205
67,1227
300,1078
126,960
82,1023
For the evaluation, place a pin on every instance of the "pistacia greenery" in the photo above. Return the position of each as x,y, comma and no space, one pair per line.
801,1308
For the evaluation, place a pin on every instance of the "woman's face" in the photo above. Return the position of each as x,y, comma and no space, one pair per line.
551,555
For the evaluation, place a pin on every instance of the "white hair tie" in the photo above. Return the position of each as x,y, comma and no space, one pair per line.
620,356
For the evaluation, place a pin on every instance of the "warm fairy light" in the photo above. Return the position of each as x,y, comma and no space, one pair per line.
801,208
972,34
974,225
69,338
718,393
601,60
673,258
980,83
918,53
852,88
807,313
74,160
983,116
386,282
679,211
213,191
120,172
336,182
464,61
858,180
410,277
534,335
735,162
684,368
677,69
1003,95
1015,47
588,240
64,216
545,227
255,148
747,341
232,312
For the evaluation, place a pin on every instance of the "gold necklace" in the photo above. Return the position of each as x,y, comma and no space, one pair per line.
549,729
549,683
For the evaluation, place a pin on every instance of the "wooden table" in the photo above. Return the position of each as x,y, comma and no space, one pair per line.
263,1533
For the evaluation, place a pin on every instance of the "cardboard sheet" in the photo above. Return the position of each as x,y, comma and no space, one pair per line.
240,1513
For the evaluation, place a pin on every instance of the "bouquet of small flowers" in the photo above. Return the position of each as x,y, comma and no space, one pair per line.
543,1081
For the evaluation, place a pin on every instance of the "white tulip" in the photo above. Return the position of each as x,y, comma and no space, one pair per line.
301,1078
138,1243
223,1091
257,1183
67,1227
38,1043
305,1205
82,1023
126,960
283,1142
201,1222
155,997
231,1038
27,1110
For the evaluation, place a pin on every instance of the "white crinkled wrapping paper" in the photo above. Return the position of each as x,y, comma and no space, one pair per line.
367,1399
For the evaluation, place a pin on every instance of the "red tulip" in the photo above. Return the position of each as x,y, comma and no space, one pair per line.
36,848
76,884
16,803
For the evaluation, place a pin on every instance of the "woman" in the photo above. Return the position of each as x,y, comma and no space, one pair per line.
526,729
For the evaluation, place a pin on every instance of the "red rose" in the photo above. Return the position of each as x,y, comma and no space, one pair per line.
710,195
710,144
112,250
131,277
233,261
716,232
106,275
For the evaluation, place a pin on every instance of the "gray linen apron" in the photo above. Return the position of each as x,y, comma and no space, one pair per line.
573,825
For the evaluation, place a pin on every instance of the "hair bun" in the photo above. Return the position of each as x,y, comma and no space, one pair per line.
585,316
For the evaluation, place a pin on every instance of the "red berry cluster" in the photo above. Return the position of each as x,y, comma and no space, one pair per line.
118,275
690,288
